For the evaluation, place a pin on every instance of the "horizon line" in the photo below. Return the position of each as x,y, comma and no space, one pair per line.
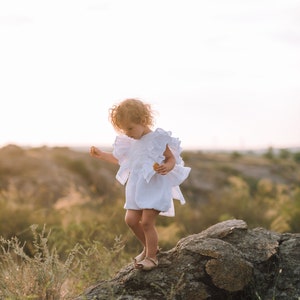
188,148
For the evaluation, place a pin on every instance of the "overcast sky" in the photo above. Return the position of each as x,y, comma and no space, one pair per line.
220,74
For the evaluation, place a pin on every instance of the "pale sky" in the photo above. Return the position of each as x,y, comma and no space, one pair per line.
220,74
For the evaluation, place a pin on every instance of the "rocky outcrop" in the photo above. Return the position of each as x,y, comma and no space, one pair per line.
225,261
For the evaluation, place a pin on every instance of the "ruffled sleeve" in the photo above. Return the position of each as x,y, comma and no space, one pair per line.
179,173
121,151
156,148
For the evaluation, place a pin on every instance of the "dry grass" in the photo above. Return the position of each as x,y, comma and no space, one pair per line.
45,276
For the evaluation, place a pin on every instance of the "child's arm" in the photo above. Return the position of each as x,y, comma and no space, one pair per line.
107,156
168,163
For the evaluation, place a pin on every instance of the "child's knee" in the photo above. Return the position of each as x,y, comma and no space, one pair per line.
147,224
131,222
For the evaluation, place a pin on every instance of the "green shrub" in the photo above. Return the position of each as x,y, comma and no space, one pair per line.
284,153
296,157
269,154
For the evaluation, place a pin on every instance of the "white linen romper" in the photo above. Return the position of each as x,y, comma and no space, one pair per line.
146,189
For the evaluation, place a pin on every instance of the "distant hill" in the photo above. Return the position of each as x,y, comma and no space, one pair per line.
67,171
261,189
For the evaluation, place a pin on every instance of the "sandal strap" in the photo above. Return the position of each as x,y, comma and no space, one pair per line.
155,262
141,256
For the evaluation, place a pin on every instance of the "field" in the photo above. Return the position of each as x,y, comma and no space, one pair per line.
61,212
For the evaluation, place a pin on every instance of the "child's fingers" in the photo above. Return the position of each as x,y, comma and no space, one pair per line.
156,167
93,150
160,169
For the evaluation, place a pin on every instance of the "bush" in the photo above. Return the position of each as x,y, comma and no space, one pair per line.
284,153
296,157
269,154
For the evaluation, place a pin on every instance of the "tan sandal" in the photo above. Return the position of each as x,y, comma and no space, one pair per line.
147,264
140,257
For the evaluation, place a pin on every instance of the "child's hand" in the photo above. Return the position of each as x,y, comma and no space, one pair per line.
106,156
163,168
95,152
155,166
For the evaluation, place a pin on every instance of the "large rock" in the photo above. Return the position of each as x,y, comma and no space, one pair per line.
225,261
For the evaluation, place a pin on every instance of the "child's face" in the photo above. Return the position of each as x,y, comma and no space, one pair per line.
135,131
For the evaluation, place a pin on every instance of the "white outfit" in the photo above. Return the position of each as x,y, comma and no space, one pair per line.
146,189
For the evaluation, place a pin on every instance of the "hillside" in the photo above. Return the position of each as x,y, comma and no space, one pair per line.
66,172
73,203
60,179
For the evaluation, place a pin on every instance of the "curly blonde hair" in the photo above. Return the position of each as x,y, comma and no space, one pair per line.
131,110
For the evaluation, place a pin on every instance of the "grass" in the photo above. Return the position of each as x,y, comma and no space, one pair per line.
43,275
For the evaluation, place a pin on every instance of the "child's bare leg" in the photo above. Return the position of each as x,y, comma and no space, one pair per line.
133,220
150,233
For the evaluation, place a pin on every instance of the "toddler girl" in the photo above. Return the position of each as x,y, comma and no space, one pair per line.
152,168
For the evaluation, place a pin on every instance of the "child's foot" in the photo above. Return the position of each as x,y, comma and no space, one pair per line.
140,257
147,264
